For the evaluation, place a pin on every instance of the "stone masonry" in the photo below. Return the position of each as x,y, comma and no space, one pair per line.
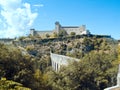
60,60
79,30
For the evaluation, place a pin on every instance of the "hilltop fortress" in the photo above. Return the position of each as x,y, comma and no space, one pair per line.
78,30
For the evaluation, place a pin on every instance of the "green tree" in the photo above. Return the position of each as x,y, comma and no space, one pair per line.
62,33
47,35
72,33
94,72
18,67
22,38
11,85
55,35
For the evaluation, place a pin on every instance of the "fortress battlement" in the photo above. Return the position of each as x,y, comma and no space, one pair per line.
78,30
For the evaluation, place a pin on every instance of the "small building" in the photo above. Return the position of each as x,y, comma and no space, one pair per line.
78,30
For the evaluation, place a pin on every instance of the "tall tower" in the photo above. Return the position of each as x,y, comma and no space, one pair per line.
84,27
57,26
32,32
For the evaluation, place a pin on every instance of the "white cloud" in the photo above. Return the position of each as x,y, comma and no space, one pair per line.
38,5
16,18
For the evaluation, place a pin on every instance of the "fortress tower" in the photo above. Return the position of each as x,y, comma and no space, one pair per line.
57,26
32,32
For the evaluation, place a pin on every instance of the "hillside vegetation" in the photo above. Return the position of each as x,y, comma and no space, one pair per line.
30,64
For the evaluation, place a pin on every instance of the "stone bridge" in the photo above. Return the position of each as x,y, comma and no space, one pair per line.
60,60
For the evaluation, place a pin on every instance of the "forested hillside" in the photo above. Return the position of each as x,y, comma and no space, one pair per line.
30,65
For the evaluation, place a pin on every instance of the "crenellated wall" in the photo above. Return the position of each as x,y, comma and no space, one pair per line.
33,32
79,30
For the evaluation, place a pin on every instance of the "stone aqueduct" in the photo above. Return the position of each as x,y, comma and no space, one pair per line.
60,60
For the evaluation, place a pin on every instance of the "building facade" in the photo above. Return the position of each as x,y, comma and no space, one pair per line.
78,30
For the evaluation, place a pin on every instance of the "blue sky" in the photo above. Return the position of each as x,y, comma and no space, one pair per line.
99,16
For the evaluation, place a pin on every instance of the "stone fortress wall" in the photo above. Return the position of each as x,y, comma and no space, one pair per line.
6,40
33,32
60,60
79,30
